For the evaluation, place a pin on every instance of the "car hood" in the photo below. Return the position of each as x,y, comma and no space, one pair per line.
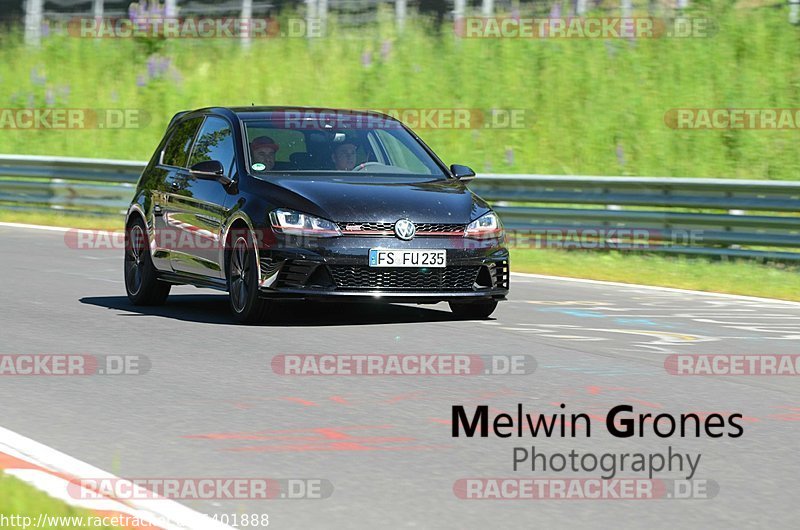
383,199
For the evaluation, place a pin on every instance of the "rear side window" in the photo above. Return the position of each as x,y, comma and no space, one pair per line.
176,153
215,142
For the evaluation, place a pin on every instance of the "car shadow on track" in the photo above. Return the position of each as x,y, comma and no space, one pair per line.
214,309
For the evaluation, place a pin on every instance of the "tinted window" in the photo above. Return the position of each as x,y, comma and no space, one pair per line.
176,153
215,142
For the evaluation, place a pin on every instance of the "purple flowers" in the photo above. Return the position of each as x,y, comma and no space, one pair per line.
142,14
386,49
36,78
620,155
510,156
158,67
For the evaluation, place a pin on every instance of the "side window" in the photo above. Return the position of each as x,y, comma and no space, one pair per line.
215,142
176,152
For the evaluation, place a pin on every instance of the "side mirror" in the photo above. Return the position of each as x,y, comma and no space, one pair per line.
210,170
462,172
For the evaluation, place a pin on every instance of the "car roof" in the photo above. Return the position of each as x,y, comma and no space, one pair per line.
266,112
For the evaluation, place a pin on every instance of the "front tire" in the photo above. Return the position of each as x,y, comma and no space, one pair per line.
473,310
245,303
141,282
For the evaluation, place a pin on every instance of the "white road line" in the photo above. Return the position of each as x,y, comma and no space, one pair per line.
655,288
49,458
37,227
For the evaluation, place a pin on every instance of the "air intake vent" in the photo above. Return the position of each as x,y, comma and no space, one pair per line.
434,279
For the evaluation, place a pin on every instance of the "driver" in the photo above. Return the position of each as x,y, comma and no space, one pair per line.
262,151
344,156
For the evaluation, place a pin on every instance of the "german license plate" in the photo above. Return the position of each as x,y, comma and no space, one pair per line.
407,258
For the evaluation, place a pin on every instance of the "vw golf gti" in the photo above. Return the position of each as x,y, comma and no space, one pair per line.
270,203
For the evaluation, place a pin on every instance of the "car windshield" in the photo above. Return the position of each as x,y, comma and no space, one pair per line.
335,143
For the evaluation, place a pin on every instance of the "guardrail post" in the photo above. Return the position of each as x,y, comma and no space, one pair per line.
33,22
247,14
400,14
311,15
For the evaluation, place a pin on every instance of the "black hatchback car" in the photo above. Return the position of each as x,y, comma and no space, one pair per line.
270,203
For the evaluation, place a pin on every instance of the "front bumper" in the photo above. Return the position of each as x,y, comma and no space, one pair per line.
338,268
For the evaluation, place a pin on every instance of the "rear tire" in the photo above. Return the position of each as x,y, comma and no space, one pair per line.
141,278
245,303
473,310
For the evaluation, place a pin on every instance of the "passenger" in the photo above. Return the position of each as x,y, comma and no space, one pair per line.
262,151
344,156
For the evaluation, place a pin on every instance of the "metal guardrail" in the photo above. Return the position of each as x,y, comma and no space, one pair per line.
74,185
720,217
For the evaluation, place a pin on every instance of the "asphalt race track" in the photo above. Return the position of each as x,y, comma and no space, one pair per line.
212,406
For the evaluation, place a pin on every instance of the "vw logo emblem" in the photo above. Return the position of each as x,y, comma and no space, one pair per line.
405,229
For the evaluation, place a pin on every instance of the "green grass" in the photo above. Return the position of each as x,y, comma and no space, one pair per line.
59,219
19,499
598,105
697,273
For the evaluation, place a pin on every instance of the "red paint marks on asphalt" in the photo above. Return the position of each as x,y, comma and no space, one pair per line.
335,446
304,402
349,438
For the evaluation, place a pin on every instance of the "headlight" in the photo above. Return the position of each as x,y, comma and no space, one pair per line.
301,224
487,226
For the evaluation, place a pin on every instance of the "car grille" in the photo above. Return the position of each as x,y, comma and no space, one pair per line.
425,228
438,279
